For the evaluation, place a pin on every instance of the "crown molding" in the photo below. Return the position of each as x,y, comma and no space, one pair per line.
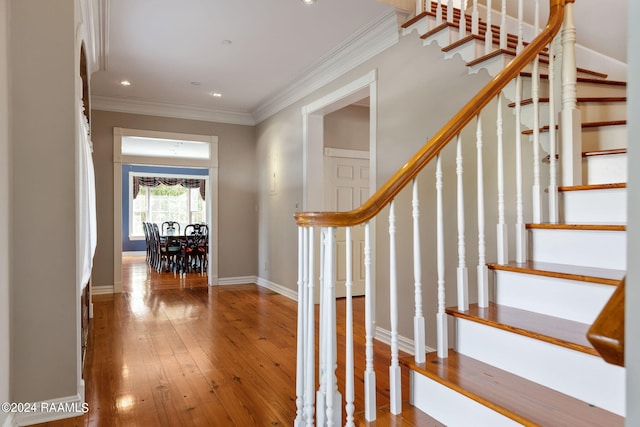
154,108
379,35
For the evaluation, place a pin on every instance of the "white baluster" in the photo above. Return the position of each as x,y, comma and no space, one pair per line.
441,316
395,391
302,301
450,11
521,252
475,17
483,272
369,373
553,170
570,118
535,89
418,318
520,44
462,276
503,25
332,398
310,350
439,15
419,7
462,24
349,371
501,232
488,35
321,395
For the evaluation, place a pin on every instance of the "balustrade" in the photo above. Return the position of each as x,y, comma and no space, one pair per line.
512,161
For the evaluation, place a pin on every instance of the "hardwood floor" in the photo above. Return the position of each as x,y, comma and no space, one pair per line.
170,351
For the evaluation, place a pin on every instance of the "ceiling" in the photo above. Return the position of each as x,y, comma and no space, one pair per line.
176,54
179,53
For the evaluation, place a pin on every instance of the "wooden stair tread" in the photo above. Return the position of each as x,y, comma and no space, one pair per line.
596,153
604,276
554,330
523,401
584,100
585,125
410,417
593,227
593,186
582,79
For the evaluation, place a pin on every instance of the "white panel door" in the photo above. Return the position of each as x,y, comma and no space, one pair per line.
346,188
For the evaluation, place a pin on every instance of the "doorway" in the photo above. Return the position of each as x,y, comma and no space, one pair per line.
325,179
196,151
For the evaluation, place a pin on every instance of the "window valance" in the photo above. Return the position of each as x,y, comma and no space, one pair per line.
151,181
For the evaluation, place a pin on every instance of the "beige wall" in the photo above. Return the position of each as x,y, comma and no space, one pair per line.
347,128
43,103
416,93
237,222
4,210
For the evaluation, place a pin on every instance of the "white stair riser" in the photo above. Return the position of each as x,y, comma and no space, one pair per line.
605,206
604,138
577,374
591,248
552,296
452,408
589,112
443,38
468,51
421,27
583,89
608,169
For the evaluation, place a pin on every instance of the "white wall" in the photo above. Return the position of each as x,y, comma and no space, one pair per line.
632,351
4,212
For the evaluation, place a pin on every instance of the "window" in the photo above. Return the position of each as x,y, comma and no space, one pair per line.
164,203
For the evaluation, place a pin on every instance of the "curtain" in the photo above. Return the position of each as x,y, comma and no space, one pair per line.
150,181
87,229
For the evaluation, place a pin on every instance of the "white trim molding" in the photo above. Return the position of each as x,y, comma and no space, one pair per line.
277,288
54,409
404,344
239,280
163,109
102,290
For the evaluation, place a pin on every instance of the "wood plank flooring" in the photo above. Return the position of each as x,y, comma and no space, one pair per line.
170,351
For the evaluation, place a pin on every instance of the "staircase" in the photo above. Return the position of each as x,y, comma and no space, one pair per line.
542,310
520,355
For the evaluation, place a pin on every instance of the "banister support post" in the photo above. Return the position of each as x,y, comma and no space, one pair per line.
570,117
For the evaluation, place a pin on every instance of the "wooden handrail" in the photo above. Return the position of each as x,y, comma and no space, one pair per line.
431,149
607,332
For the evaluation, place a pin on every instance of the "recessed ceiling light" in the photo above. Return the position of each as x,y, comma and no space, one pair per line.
308,1
215,94
125,83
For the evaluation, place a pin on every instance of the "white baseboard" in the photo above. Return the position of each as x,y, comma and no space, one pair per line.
239,280
10,421
102,290
134,253
404,344
277,288
54,409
